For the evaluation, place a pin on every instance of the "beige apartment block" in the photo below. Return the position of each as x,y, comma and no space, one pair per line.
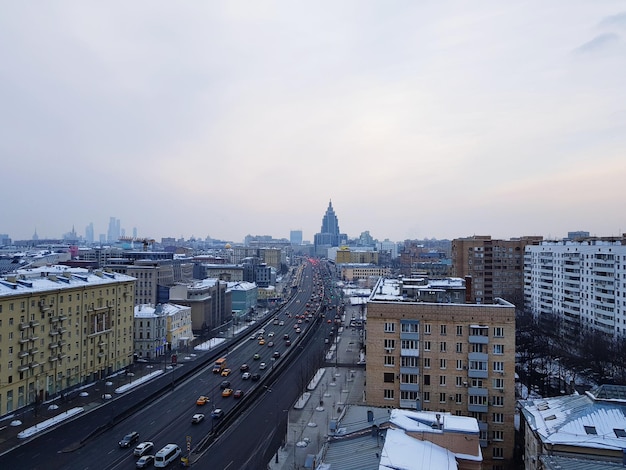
61,327
446,357
354,272
496,267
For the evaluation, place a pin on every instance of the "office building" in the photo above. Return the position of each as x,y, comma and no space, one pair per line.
496,267
60,328
581,283
428,349
295,237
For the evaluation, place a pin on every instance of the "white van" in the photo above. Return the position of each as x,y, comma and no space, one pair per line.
166,455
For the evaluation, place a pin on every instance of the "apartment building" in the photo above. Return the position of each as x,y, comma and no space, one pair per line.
61,327
210,301
428,350
583,283
495,267
347,255
354,272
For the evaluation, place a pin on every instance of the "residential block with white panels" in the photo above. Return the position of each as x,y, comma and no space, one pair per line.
582,282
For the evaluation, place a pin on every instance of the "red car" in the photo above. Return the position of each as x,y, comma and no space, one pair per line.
238,393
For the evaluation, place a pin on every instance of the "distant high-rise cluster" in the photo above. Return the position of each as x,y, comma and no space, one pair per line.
114,232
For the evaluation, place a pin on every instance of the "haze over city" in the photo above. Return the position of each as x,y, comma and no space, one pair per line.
417,119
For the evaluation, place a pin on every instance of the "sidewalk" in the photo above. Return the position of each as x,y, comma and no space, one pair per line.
311,420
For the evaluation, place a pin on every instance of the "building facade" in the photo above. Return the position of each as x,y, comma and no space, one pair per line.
443,356
581,282
496,267
59,328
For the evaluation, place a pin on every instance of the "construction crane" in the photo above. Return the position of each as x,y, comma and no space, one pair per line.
144,241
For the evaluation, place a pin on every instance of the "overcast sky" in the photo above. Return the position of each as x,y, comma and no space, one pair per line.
418,119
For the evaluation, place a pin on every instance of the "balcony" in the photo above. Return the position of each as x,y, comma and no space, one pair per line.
22,368
409,387
23,340
478,339
477,374
478,408
53,319
410,352
53,345
24,326
34,323
33,351
33,338
53,359
22,354
54,333
33,364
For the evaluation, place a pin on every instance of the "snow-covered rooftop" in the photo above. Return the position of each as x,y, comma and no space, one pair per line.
578,420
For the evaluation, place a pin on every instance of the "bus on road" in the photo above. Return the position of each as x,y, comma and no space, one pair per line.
219,365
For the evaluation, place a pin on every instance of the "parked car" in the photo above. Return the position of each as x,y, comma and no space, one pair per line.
197,418
143,448
145,461
129,439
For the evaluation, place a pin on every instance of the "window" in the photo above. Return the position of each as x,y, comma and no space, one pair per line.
426,396
390,344
409,361
443,329
498,417
443,363
498,349
498,366
427,363
442,398
426,345
408,395
498,435
477,400
409,378
443,347
459,347
409,327
388,394
477,383
459,381
442,380
389,377
459,364
458,398
427,379
390,361
498,401
498,453
478,365
427,328
478,348
498,383
409,344
498,332
390,327
459,330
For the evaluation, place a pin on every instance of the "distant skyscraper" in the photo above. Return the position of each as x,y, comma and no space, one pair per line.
329,235
114,231
89,233
295,237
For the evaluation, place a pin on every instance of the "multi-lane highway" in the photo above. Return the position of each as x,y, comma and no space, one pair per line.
167,417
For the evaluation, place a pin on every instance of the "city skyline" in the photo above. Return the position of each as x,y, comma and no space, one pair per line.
427,120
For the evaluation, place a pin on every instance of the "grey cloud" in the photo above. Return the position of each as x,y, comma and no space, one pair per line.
618,21
601,43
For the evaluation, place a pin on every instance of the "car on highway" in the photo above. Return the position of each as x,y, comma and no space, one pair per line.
217,413
197,418
227,392
226,372
285,336
225,384
270,334
255,377
143,448
256,357
238,393
262,342
270,344
145,461
129,439
287,343
262,366
245,375
276,354
202,400
281,323
298,330
244,367
252,338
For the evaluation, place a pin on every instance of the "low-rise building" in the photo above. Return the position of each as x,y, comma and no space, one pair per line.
574,428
